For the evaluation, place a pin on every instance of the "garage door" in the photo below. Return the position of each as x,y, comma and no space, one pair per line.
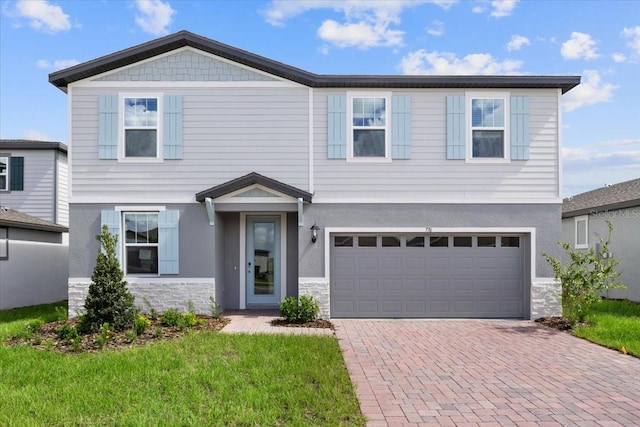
471,276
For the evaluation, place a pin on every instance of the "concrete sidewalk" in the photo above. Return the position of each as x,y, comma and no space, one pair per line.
259,322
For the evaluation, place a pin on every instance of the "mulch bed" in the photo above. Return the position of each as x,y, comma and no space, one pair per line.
556,322
319,323
48,336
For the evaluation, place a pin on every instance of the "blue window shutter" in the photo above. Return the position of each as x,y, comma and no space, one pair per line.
16,171
108,127
401,127
172,127
337,126
111,219
456,127
168,242
519,131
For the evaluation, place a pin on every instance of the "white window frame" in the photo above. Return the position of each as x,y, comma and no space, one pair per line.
4,243
577,244
159,158
6,172
387,128
125,245
506,98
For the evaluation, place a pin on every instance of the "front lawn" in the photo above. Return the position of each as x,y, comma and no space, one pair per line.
203,378
614,324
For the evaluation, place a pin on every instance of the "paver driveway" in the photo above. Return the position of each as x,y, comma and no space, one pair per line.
486,373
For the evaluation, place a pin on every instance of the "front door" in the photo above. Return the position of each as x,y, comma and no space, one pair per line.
263,260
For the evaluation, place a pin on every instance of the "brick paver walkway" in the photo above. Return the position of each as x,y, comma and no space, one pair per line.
486,373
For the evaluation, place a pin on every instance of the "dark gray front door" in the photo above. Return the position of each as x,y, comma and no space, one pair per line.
427,276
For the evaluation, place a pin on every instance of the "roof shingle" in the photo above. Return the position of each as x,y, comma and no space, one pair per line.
617,196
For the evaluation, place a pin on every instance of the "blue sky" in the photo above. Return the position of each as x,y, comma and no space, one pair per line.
599,40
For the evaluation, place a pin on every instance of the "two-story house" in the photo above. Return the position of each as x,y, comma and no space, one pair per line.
230,175
34,215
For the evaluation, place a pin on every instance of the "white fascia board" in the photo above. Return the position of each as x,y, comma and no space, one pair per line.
132,199
430,201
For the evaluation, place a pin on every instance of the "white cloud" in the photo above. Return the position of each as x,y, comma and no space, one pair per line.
43,16
58,64
35,135
478,9
517,42
592,90
361,34
633,34
436,29
324,49
502,8
618,57
446,63
366,23
155,16
580,45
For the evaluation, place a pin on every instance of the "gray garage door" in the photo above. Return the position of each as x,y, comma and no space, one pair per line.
427,276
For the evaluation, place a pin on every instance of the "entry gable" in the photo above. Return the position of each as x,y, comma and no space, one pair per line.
254,186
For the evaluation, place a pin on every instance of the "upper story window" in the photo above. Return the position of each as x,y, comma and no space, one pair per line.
488,128
369,121
141,127
141,243
4,173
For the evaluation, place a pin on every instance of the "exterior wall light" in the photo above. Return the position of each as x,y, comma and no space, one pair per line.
314,233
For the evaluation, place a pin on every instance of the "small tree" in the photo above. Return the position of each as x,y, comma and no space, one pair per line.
584,277
109,300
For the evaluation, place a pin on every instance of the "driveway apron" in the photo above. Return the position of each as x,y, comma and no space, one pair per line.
486,373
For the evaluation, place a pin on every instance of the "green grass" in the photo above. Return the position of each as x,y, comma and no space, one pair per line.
613,324
12,321
204,378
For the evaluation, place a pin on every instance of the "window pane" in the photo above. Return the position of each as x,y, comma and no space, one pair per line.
141,228
141,112
4,163
3,182
488,143
415,242
130,227
4,243
462,241
369,111
581,238
439,241
140,143
343,241
486,242
390,241
487,112
510,241
367,241
142,260
368,143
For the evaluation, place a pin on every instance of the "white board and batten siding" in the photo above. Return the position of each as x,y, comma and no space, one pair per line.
38,197
227,132
427,174
63,190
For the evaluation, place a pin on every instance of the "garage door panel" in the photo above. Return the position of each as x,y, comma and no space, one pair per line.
394,281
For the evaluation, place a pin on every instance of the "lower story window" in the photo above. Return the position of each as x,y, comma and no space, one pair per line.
141,243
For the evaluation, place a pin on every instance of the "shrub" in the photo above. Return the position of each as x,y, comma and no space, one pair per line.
140,324
303,311
584,277
171,317
105,335
109,300
308,309
289,309
67,333
31,330
215,309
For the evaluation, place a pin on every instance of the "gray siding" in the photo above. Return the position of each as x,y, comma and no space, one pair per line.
544,218
39,195
625,245
428,174
185,65
228,132
36,271
197,249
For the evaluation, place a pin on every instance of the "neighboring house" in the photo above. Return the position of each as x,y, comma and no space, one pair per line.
33,260
34,215
584,222
34,178
232,176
